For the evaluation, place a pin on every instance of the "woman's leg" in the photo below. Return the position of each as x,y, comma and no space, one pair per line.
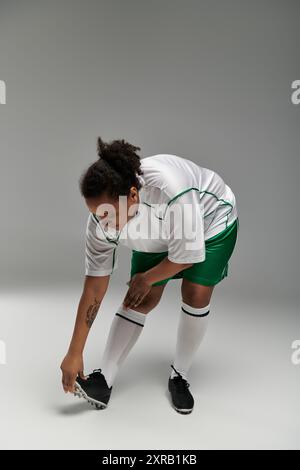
125,329
192,325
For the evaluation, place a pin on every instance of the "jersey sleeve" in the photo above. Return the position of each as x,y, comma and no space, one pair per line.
184,228
100,254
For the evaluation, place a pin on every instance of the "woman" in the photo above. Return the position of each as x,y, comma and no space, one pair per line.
181,221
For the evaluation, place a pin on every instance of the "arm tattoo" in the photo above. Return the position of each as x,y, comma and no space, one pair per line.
92,312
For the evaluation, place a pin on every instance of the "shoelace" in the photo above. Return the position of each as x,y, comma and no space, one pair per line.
180,380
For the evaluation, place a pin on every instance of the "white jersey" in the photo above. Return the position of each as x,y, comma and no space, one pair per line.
166,180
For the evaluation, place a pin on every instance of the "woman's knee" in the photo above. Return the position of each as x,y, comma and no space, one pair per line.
151,300
196,295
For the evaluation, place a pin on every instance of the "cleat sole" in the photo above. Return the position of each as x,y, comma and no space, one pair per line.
182,412
79,392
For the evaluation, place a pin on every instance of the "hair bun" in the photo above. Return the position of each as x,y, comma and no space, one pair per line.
118,153
115,172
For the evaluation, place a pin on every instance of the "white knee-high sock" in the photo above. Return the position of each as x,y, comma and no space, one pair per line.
191,330
125,329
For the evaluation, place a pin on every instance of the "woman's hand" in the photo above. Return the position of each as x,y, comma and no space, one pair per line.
138,289
71,366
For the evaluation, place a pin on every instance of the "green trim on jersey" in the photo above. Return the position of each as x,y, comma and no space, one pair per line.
207,192
114,258
108,239
195,189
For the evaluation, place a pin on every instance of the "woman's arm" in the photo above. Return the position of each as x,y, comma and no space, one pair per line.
93,292
164,269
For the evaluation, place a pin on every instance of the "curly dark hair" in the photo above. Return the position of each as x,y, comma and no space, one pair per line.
114,173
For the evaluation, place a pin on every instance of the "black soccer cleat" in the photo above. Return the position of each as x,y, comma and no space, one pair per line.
182,399
94,389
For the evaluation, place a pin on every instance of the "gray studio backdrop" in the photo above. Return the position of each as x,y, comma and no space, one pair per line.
207,80
204,79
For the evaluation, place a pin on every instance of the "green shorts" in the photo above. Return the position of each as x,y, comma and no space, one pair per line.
209,272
